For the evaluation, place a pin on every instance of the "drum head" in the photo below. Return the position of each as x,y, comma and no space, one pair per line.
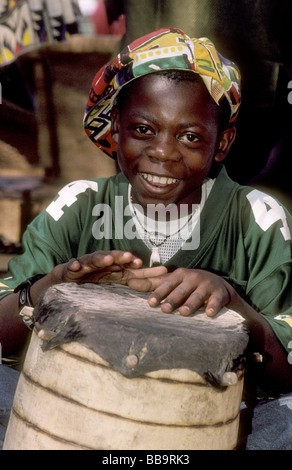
117,323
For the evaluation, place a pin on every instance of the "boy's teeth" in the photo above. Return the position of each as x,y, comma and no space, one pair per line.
159,179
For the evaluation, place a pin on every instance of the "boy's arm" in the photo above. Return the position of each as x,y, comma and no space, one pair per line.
275,372
13,332
100,266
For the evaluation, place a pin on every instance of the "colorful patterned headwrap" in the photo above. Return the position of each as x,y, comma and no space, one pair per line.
167,48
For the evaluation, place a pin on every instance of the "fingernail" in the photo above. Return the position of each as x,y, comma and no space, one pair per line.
185,310
210,312
167,307
152,301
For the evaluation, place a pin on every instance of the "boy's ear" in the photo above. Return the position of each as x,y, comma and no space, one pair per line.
225,141
115,124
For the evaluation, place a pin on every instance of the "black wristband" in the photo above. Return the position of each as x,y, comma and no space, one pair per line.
24,293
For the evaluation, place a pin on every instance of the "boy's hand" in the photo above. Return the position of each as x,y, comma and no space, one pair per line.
105,266
187,290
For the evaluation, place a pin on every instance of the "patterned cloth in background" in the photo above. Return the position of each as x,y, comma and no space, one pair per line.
28,23
167,48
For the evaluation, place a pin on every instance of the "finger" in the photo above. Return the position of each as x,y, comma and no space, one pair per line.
100,259
126,258
74,265
140,285
119,259
149,273
96,263
168,291
195,301
145,280
215,304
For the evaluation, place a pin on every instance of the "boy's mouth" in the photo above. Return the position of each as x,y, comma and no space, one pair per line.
161,180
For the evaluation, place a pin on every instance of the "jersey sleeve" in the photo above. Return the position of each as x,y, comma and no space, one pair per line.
269,253
53,237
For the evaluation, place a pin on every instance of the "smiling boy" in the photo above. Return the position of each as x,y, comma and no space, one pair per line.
166,108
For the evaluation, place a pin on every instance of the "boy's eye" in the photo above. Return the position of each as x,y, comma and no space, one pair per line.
189,138
143,130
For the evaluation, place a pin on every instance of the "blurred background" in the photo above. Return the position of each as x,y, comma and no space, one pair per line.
50,51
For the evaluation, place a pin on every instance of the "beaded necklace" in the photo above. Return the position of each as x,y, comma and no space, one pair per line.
155,245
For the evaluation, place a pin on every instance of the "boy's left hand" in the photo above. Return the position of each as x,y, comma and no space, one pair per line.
187,290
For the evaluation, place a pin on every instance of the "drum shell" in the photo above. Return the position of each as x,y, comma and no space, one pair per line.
70,398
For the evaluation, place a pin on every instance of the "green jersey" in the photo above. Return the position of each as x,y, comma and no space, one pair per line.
245,237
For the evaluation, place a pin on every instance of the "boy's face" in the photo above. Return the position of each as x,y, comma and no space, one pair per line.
167,136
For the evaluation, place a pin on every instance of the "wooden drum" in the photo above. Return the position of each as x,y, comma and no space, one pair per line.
106,371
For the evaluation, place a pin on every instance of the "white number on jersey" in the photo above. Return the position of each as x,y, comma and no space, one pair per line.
267,211
67,196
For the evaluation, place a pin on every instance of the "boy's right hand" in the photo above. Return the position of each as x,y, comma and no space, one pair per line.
104,266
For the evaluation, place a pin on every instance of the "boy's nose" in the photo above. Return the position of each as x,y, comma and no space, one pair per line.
164,148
